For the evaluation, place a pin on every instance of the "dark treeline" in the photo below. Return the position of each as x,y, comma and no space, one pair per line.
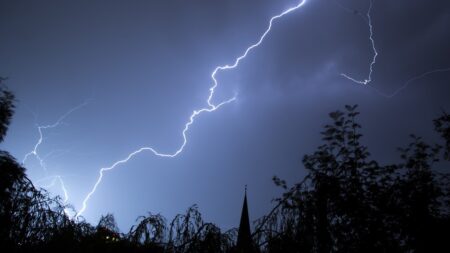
346,203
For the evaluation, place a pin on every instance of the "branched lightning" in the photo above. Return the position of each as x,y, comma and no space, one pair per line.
210,108
34,152
375,53
41,160
210,105
52,183
368,19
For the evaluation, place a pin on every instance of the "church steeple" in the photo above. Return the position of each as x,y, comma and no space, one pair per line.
244,240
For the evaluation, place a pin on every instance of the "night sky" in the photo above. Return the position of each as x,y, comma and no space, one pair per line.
144,66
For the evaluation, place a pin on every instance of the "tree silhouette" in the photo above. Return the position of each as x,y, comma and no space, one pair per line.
350,203
347,202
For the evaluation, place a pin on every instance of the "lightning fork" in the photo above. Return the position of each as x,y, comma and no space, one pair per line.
53,183
40,129
210,108
368,19
41,159
375,53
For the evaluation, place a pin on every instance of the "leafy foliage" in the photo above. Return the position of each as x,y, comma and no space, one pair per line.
6,109
350,203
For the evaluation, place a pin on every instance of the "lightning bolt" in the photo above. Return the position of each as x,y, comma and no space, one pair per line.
211,107
58,178
63,188
40,129
409,82
368,19
375,53
52,183
41,160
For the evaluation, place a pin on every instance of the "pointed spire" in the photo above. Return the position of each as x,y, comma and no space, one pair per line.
244,240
